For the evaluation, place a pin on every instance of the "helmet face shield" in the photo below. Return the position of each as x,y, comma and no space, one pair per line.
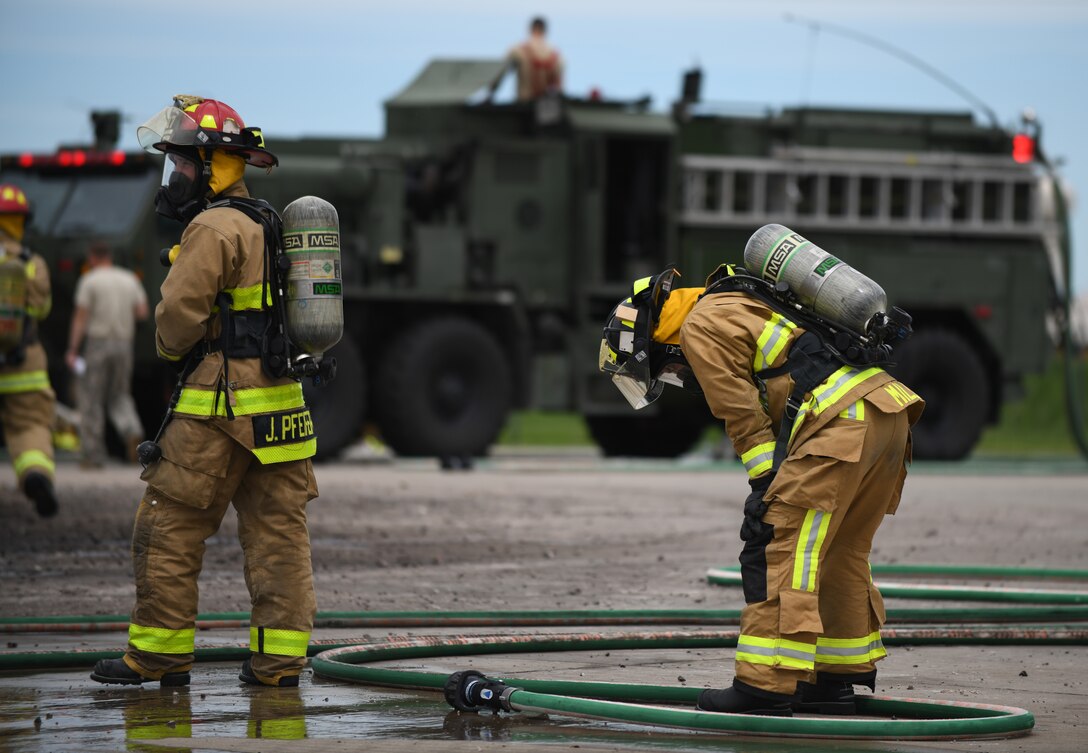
634,382
169,126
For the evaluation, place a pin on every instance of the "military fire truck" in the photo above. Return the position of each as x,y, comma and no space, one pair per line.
484,244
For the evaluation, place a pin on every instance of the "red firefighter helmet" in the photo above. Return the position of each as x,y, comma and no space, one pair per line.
204,123
13,200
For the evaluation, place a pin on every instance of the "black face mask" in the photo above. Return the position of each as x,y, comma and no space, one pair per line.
180,199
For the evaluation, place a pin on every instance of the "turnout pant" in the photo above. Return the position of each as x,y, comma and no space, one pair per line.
812,606
27,419
202,472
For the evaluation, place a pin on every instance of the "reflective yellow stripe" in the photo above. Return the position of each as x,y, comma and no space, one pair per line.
33,459
838,384
806,557
850,650
775,652
758,459
855,412
286,452
200,402
640,285
247,298
40,312
27,381
162,640
280,642
166,356
772,341
830,391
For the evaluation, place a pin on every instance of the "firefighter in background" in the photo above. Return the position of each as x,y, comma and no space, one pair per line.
26,398
811,627
235,435
538,63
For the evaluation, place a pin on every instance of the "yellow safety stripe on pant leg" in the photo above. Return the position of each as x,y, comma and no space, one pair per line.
33,459
772,341
776,652
759,459
855,412
806,558
157,640
264,640
286,452
197,402
850,650
26,381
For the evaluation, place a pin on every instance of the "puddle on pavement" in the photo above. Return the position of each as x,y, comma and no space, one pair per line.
65,712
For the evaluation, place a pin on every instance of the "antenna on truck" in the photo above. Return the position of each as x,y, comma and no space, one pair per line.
900,53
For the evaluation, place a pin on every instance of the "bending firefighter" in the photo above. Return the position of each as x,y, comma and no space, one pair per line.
236,433
26,397
824,434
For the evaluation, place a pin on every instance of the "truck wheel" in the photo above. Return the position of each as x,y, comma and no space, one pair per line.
669,434
948,374
338,408
442,390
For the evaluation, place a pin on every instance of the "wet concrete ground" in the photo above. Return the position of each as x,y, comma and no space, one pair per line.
522,532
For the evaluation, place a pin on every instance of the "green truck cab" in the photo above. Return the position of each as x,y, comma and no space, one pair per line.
484,244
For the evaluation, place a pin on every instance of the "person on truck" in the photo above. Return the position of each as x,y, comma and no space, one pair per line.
538,63
236,434
109,300
811,629
26,396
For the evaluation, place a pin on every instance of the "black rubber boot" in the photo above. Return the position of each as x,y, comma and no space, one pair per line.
40,489
832,693
116,672
246,675
745,699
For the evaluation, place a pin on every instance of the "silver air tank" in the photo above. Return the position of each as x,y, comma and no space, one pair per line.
314,300
829,287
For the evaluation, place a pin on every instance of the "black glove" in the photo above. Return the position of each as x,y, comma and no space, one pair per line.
755,508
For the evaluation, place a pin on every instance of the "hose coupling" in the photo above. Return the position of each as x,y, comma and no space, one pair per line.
471,690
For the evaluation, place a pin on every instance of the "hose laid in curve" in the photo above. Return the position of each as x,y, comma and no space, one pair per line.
925,720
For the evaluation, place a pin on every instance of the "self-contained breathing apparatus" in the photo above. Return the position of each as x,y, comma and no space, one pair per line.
301,314
17,329
640,366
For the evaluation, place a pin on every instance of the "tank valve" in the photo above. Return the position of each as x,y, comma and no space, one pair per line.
471,690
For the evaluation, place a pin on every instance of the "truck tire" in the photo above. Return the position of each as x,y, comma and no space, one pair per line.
669,434
948,374
338,408
442,390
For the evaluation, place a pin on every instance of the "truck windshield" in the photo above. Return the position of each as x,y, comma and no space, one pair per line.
100,204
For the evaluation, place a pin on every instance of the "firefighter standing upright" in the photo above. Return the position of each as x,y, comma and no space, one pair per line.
822,480
26,397
238,434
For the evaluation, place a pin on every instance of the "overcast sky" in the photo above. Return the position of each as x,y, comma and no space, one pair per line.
324,67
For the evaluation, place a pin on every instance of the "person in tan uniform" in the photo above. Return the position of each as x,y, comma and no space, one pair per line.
811,627
539,65
26,397
237,433
109,301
